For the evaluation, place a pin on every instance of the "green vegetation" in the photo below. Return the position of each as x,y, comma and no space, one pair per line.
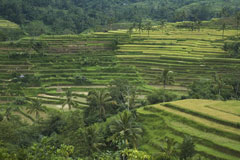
75,16
94,94
176,123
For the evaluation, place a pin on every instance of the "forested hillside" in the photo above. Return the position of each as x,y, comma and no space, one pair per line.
74,16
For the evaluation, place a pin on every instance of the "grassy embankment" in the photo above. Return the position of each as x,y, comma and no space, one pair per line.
204,120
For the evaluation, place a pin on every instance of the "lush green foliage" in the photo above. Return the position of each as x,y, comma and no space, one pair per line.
187,148
74,16
160,95
233,49
217,88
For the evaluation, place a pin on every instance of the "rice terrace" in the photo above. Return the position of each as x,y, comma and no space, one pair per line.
132,80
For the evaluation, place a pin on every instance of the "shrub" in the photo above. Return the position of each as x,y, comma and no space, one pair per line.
39,47
187,148
18,55
1,117
233,49
81,80
134,154
159,96
3,36
202,89
26,80
20,101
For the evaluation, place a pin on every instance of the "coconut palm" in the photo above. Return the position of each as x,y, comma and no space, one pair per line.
219,83
91,139
168,148
166,78
125,128
69,100
36,107
100,98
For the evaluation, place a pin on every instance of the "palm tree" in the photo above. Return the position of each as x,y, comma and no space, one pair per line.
36,107
130,31
148,27
69,100
91,139
219,83
139,26
131,96
168,148
166,78
101,99
125,128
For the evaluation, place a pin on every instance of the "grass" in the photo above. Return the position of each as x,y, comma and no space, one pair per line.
199,120
157,125
202,48
8,24
200,106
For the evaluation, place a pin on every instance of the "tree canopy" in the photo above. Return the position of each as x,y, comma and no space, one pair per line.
75,16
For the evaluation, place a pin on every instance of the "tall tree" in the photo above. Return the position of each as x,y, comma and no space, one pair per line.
139,26
69,100
168,149
219,83
36,107
90,139
123,93
148,26
100,98
125,128
166,78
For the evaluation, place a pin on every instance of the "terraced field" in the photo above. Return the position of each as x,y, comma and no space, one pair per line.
191,55
102,56
8,24
213,138
89,57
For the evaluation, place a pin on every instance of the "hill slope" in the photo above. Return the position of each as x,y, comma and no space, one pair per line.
213,137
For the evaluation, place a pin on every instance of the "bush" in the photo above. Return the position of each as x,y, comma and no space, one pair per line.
39,47
202,89
134,154
159,96
81,80
187,148
233,49
18,55
1,117
26,80
3,36
20,101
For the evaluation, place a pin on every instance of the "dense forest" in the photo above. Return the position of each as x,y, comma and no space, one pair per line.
75,16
